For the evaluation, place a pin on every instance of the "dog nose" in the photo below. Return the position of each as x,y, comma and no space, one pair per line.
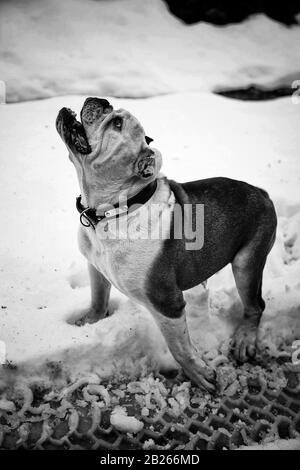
95,109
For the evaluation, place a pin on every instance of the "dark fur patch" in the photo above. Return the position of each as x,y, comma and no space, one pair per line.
234,213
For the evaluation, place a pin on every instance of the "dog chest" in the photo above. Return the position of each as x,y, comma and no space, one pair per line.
124,249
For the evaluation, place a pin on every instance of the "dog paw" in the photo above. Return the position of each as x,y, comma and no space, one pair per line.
244,342
87,316
204,377
87,319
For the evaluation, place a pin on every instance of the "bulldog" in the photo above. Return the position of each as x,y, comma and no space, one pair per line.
120,182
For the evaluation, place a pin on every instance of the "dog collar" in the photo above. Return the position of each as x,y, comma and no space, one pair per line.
89,218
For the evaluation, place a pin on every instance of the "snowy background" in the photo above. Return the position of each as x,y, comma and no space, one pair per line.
140,57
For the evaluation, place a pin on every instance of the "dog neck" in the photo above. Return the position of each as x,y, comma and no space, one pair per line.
90,218
101,199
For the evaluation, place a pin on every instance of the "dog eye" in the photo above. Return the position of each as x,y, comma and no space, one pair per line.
118,122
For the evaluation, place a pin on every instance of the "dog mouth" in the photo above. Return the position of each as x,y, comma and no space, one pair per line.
72,131
78,134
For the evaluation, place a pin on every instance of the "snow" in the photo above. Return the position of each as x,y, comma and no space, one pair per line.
121,421
135,49
6,405
279,444
43,277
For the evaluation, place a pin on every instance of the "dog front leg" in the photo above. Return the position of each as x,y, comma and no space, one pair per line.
176,333
100,290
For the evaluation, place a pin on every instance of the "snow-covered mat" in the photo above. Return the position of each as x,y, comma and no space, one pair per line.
255,404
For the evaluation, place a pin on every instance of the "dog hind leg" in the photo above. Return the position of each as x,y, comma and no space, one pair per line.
247,267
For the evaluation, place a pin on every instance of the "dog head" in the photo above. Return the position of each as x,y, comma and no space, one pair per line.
109,149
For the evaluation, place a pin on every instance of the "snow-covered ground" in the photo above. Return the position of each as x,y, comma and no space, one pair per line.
43,277
134,48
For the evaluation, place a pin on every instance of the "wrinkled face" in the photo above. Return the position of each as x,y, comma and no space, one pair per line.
108,147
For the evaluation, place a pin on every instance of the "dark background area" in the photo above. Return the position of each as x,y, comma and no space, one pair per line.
232,11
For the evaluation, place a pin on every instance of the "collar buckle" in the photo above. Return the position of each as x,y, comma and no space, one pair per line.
116,212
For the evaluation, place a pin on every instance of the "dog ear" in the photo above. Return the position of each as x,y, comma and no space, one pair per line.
148,140
145,164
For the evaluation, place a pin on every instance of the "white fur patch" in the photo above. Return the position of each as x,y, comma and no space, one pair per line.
124,249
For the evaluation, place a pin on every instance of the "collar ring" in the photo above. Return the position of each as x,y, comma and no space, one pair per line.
83,216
